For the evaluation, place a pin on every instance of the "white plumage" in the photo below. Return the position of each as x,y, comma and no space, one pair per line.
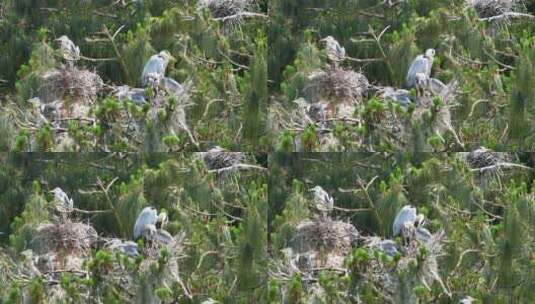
421,64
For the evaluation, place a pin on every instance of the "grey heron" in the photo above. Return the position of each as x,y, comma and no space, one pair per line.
389,247
423,235
154,70
335,52
145,221
69,50
62,202
323,202
149,224
400,96
172,86
136,95
421,64
127,247
407,218
421,83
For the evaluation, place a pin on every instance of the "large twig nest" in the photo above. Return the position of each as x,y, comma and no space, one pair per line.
325,236
482,157
73,237
337,84
218,158
490,8
224,8
70,82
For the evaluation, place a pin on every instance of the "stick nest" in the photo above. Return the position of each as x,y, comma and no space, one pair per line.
339,84
326,235
73,237
70,82
490,8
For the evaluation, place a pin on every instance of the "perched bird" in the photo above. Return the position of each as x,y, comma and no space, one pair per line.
388,246
335,52
69,51
172,86
400,96
421,83
437,87
147,225
421,64
136,95
407,218
145,221
62,202
323,202
423,235
127,247
154,70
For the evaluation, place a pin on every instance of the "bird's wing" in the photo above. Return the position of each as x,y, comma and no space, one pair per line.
418,65
163,236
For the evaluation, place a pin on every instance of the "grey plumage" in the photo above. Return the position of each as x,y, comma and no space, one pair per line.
127,247
69,50
145,221
136,95
154,70
421,64
398,95
389,247
62,201
407,215
150,224
172,86
335,52
323,202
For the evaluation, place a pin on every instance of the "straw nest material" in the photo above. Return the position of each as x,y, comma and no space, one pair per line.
323,243
218,158
489,8
224,8
482,157
70,82
73,237
345,85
